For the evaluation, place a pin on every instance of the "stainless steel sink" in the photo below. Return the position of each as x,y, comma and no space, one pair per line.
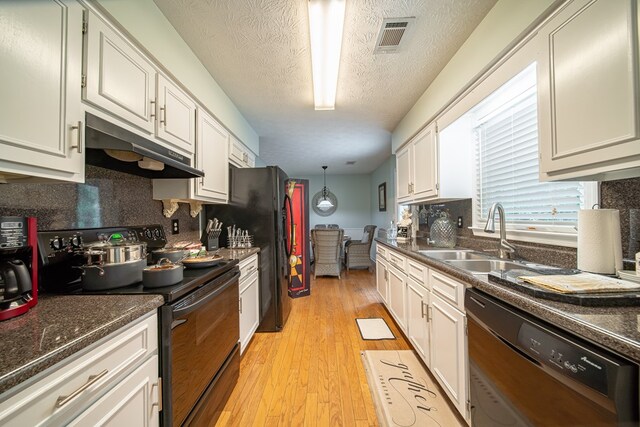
484,265
453,254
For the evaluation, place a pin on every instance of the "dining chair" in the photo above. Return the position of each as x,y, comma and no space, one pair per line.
357,253
326,249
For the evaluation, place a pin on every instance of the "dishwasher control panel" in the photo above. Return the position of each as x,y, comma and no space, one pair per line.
565,356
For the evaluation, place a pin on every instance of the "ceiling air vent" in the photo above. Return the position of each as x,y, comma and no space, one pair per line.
392,34
350,162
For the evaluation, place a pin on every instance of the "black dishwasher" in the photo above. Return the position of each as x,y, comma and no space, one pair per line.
524,372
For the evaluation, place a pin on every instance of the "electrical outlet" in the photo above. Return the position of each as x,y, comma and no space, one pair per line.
175,226
459,222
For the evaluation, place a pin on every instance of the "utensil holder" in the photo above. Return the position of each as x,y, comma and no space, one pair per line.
240,242
211,240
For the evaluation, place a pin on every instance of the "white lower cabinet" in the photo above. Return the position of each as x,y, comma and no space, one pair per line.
449,359
249,304
114,383
130,403
396,296
429,308
41,118
382,273
418,319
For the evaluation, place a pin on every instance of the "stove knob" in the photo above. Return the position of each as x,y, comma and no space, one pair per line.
76,241
148,234
156,233
57,243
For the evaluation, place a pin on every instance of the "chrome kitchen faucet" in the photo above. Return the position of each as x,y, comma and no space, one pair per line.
505,249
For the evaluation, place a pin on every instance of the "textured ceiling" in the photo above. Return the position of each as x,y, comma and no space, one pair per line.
258,52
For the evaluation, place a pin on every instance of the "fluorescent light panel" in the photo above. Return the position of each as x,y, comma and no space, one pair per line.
326,22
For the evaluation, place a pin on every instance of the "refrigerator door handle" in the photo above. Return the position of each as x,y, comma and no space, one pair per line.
288,241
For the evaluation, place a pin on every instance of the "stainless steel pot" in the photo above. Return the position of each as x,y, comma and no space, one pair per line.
164,273
107,253
173,255
110,276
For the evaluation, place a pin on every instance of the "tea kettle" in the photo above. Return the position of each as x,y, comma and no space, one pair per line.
15,280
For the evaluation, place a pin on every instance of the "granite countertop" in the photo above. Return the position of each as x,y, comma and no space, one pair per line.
61,325
615,328
238,254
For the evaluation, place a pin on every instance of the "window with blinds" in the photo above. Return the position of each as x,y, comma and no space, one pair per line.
505,131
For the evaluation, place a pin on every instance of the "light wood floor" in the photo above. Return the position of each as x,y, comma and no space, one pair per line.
311,373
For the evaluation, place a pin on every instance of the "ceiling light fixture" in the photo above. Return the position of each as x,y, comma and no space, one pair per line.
326,21
325,203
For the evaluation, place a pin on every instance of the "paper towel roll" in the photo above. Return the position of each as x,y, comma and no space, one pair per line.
599,241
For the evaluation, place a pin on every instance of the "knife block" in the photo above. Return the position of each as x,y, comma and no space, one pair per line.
211,241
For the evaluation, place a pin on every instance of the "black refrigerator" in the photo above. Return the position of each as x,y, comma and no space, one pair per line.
258,202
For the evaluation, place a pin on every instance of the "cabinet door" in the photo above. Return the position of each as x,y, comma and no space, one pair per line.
417,318
424,164
396,295
449,351
120,80
177,116
212,158
249,310
236,152
403,173
133,402
40,83
588,85
381,278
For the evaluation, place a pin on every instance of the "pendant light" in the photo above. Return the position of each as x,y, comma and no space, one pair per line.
324,202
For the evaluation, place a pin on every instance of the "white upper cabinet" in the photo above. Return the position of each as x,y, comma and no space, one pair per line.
119,79
588,89
404,172
424,146
212,158
41,119
176,122
240,155
430,169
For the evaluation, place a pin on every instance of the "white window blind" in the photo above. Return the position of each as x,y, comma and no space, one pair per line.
506,149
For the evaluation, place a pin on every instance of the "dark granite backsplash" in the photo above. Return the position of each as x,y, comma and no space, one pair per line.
623,195
108,198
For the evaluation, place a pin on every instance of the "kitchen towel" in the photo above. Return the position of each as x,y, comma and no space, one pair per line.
582,283
599,241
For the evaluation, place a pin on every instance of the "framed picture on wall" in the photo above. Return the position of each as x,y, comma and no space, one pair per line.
382,197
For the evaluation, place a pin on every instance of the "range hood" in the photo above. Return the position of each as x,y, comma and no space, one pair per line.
103,135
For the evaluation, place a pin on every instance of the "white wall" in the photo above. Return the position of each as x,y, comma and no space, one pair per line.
354,202
146,23
386,172
504,22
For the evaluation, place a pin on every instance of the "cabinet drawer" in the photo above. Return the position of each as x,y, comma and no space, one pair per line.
381,251
41,403
450,290
418,272
248,266
398,261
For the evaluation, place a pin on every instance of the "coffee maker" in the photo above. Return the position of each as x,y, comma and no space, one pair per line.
18,265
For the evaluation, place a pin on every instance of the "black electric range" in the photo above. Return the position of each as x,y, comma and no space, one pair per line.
198,326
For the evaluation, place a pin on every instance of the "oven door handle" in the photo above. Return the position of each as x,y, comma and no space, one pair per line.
183,311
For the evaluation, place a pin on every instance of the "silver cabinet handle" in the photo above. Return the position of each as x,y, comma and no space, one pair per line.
78,127
163,115
240,305
153,109
422,309
63,400
202,181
